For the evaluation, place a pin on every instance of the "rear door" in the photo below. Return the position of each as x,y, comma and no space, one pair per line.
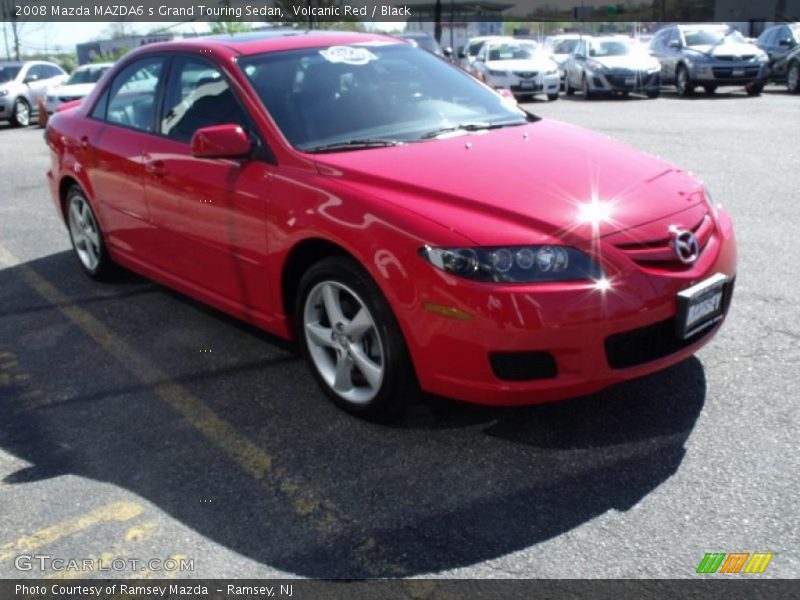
210,214
124,120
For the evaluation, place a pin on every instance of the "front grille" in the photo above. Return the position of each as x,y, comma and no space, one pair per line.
660,253
744,57
640,80
727,73
646,344
523,366
526,74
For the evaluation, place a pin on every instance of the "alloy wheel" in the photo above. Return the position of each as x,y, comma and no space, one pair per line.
22,114
343,342
84,232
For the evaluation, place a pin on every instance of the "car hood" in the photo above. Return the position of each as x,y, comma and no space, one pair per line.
78,89
643,61
727,49
520,183
533,64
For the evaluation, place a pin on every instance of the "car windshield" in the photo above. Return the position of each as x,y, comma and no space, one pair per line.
89,75
8,73
511,51
564,46
426,43
711,37
603,48
369,93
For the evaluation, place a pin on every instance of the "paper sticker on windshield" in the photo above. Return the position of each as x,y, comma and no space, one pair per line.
349,55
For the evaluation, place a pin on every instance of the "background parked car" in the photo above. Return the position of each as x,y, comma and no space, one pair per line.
22,84
425,41
782,45
466,58
80,83
560,47
607,65
709,55
521,66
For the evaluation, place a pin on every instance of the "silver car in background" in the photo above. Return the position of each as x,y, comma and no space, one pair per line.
80,83
611,65
22,84
710,56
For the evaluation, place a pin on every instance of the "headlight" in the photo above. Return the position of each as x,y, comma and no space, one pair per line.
595,66
514,264
3,93
710,202
496,73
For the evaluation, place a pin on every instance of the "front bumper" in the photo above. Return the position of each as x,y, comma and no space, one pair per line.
538,83
727,73
586,335
6,107
625,81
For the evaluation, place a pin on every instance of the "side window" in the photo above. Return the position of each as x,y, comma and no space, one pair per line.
53,71
37,73
132,96
198,96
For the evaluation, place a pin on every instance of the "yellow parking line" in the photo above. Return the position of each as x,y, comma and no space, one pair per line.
326,517
117,511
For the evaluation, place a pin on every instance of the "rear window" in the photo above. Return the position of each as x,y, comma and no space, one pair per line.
8,73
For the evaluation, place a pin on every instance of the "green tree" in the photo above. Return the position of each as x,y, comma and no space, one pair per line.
230,27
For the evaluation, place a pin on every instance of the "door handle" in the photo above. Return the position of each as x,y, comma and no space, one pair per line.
84,142
157,168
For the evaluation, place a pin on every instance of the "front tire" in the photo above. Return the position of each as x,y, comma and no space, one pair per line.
682,82
352,342
793,78
710,89
653,94
87,237
552,97
21,113
755,88
585,90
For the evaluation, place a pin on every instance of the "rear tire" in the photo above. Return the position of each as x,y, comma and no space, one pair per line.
87,237
21,113
653,94
710,89
552,97
568,89
352,342
793,78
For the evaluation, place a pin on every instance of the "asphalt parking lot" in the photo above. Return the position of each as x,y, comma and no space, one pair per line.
137,423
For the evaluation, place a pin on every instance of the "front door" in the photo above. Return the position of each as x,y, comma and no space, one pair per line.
210,214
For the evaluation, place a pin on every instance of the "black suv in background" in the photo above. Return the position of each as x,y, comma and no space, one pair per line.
782,45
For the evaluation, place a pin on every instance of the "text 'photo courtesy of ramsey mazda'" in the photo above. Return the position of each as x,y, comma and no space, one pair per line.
408,226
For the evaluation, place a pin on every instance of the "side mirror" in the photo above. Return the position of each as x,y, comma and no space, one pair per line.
221,141
674,44
30,78
462,53
580,57
448,52
788,43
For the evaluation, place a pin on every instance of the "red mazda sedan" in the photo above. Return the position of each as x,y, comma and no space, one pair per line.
408,226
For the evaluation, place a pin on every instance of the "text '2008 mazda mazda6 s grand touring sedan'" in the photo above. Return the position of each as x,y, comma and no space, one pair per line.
412,229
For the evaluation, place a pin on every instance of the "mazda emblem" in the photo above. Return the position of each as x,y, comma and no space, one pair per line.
686,247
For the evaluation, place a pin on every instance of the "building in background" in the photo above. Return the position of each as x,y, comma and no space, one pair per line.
459,20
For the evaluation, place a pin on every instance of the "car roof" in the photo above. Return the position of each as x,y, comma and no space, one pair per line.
274,41
103,65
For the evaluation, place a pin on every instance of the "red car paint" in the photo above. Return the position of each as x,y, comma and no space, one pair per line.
169,216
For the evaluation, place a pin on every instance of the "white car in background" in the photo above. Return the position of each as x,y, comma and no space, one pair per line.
466,56
560,47
80,83
520,66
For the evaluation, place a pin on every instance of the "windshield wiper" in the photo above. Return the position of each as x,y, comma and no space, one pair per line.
355,145
473,126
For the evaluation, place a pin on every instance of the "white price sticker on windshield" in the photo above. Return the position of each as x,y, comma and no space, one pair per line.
349,55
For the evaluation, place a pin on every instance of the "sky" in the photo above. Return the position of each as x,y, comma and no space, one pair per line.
56,37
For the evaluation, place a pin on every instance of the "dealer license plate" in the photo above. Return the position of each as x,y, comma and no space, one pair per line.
738,72
700,306
526,85
630,80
